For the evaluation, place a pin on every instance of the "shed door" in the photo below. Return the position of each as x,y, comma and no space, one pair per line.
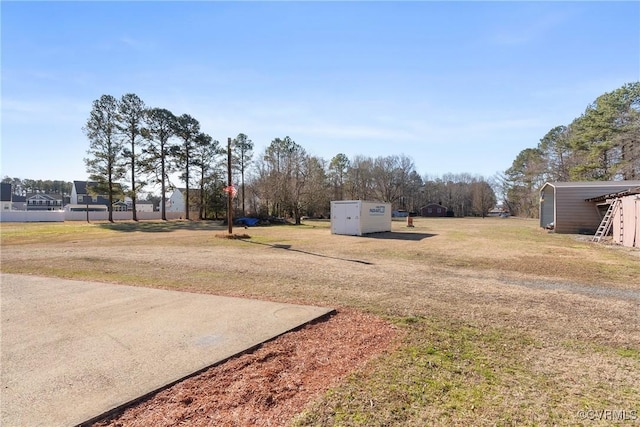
547,206
346,219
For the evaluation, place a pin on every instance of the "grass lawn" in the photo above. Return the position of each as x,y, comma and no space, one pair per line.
504,324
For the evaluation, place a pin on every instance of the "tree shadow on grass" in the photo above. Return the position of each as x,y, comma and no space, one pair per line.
399,235
163,226
289,248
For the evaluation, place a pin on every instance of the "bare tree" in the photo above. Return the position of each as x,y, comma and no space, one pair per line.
285,176
483,198
316,199
360,183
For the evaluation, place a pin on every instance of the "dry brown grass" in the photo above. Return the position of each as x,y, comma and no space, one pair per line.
506,324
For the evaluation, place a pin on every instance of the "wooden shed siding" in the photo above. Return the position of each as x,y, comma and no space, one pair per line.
572,213
637,223
630,222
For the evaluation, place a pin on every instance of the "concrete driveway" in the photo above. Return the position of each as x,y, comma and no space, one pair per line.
74,350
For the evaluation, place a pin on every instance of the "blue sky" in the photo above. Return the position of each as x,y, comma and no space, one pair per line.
457,86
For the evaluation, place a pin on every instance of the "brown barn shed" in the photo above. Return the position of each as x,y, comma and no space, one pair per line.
564,206
433,210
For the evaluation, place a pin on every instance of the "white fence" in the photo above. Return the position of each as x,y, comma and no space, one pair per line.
61,216
32,216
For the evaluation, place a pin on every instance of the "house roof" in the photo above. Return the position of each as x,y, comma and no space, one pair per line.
81,186
183,190
5,192
44,196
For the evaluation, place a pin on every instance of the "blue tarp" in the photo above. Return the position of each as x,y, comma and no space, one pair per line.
246,221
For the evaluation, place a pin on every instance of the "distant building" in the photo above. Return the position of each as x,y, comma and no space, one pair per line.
176,202
18,203
400,214
433,210
140,206
6,194
497,211
84,198
43,202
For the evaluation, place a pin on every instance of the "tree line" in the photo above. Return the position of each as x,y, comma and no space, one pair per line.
603,144
22,187
287,181
132,146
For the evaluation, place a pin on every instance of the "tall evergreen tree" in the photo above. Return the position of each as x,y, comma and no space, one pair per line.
206,160
606,136
242,156
131,114
105,163
187,129
158,163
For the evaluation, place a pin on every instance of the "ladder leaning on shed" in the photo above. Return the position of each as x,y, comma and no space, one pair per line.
607,220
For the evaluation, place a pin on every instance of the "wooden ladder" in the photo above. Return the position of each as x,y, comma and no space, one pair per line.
607,220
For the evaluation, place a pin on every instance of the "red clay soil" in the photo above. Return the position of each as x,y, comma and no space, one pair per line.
272,384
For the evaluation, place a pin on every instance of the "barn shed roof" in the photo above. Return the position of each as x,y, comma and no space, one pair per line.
593,184
605,197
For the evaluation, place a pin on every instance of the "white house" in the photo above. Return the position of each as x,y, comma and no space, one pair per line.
175,202
140,206
44,202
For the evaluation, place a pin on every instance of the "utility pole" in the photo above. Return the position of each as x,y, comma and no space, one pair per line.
229,187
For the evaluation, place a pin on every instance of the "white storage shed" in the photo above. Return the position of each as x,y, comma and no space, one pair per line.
357,217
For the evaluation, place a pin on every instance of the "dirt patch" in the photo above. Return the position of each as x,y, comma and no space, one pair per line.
272,384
